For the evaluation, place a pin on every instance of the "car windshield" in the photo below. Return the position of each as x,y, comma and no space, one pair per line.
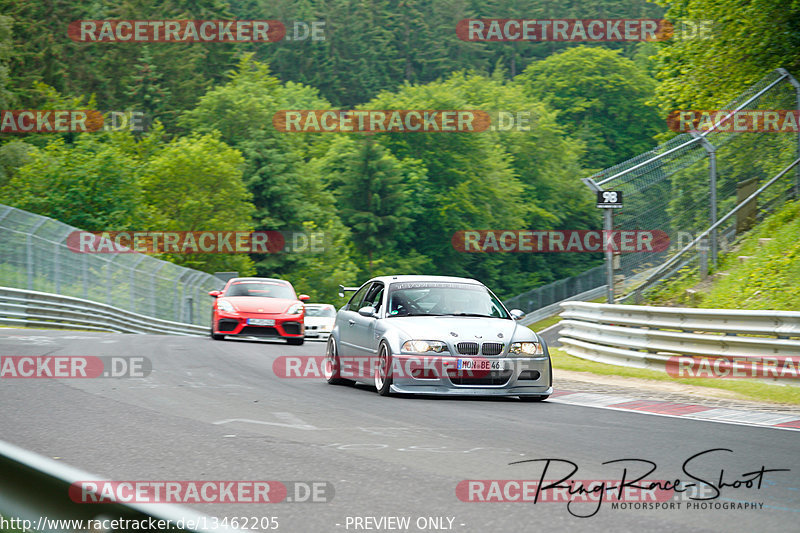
326,312
443,299
262,289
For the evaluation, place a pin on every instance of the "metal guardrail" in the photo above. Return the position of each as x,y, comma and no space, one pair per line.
36,489
34,256
647,337
26,308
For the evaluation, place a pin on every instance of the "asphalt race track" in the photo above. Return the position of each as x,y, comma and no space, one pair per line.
214,410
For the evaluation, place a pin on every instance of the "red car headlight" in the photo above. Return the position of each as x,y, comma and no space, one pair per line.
225,306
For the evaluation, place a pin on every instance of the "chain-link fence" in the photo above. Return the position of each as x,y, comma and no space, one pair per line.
557,291
34,256
688,183
685,185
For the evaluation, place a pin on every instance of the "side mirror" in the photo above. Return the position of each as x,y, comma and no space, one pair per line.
367,311
304,297
516,314
343,289
215,294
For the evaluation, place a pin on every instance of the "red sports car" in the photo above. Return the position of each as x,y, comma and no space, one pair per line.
258,307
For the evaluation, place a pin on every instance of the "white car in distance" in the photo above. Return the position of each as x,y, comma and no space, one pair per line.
319,320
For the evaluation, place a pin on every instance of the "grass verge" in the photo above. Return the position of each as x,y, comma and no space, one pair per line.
545,323
749,389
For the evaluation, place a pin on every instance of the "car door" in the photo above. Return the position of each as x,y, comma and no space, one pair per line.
346,319
363,330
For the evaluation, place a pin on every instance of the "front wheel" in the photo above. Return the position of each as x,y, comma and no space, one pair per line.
295,342
383,373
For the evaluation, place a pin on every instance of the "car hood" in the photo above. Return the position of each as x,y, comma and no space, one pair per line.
465,328
256,304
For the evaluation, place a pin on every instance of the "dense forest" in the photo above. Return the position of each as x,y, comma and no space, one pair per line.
210,157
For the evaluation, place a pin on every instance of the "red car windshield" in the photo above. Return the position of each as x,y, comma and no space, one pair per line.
262,289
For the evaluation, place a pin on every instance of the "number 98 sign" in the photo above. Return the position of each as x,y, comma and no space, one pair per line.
609,199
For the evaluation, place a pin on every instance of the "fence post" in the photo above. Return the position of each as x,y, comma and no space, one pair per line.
608,227
153,288
189,304
712,189
109,296
85,276
796,86
57,266
29,260
132,283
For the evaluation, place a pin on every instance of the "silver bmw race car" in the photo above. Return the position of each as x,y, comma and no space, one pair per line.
435,335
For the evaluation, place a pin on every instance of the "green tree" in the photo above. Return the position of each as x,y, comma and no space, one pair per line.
6,48
601,98
370,194
43,52
148,90
195,184
745,41
287,186
547,163
90,185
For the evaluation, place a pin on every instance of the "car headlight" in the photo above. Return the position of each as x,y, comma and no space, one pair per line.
526,348
226,306
295,309
424,346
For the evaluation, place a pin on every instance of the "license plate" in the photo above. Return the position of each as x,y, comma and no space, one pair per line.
479,364
260,321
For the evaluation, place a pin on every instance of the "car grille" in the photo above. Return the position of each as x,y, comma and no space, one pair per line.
495,377
292,328
259,331
467,348
492,348
226,324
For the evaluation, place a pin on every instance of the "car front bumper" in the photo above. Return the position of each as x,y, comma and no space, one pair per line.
315,332
286,326
521,376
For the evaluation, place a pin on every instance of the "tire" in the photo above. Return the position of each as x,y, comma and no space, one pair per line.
295,342
534,398
383,372
215,336
332,367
